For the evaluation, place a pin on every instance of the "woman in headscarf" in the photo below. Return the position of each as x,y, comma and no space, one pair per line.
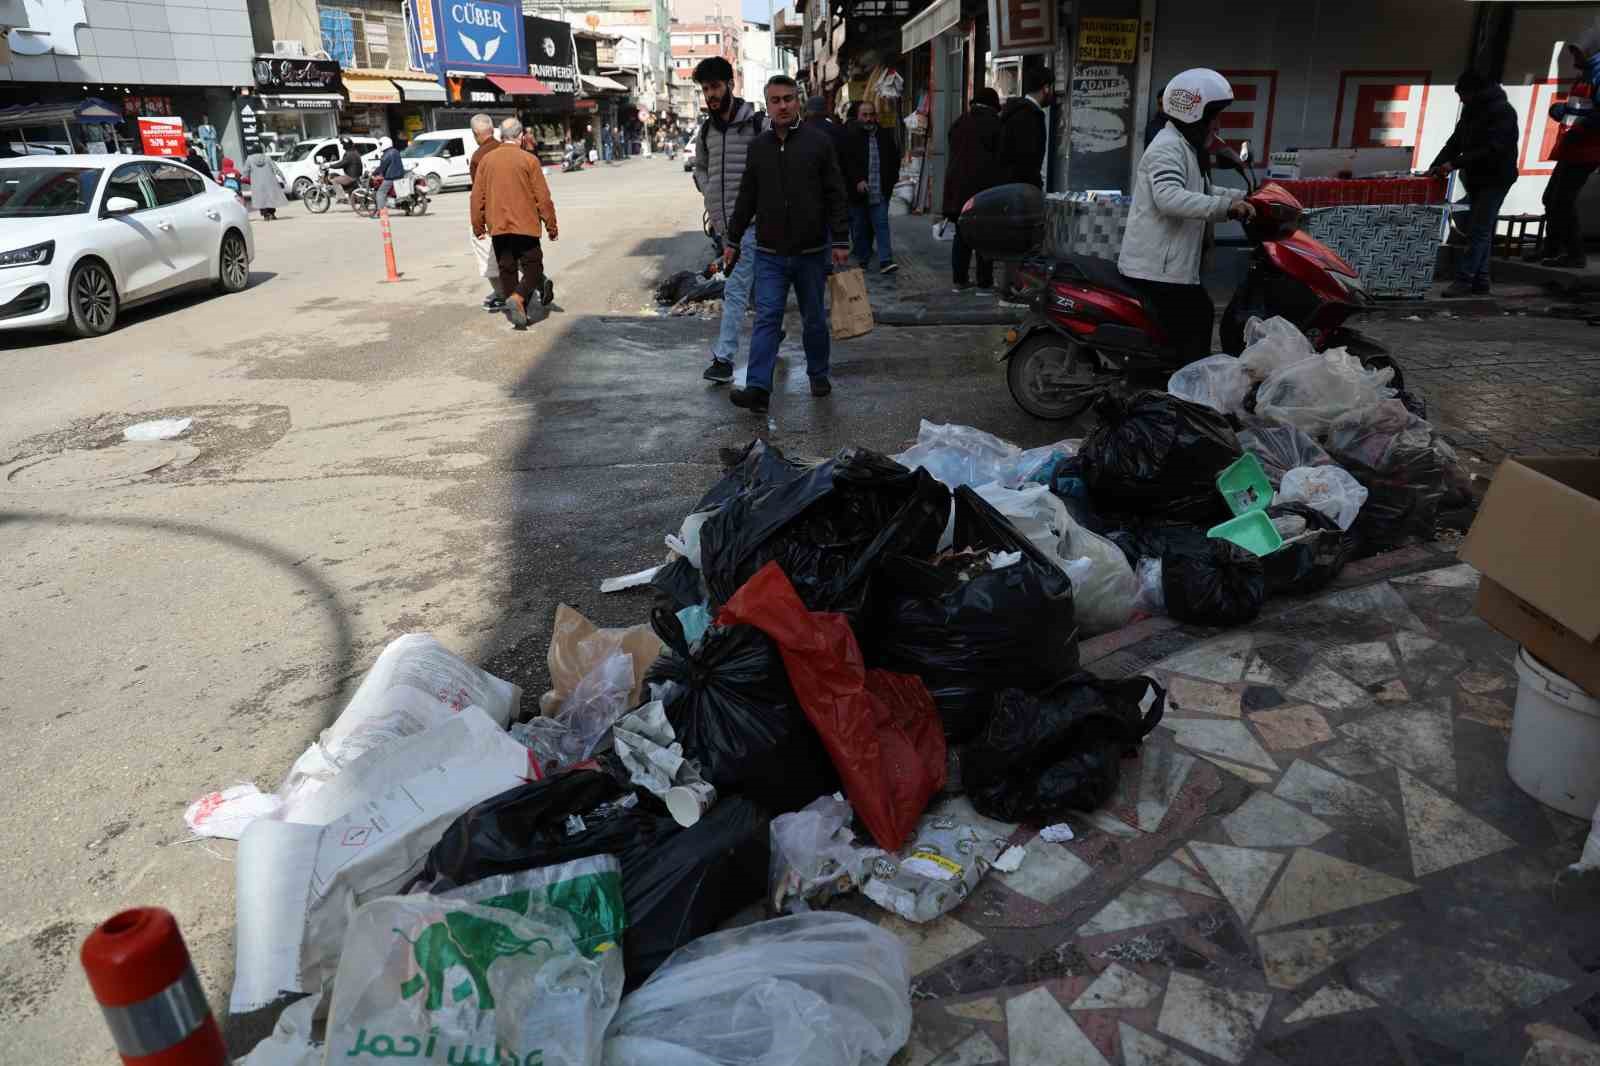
266,195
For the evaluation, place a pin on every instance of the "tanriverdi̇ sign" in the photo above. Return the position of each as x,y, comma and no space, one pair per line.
551,59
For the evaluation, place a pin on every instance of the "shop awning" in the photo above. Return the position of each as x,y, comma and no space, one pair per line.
939,16
600,83
89,110
370,88
517,85
303,102
422,92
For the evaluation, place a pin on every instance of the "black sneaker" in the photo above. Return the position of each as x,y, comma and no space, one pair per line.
889,268
1456,289
821,386
547,293
752,399
719,372
961,287
494,304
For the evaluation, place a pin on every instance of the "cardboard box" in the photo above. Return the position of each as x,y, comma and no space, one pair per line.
1536,541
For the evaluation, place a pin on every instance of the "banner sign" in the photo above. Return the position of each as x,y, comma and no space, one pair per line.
481,36
161,135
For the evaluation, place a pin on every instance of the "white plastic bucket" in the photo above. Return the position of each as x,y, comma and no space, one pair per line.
1555,740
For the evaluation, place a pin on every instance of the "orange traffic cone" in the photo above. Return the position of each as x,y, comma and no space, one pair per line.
139,970
388,246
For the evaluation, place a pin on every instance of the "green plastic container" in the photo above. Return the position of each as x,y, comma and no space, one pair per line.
1244,485
1253,531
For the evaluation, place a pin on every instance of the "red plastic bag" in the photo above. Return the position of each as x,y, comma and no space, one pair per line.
881,728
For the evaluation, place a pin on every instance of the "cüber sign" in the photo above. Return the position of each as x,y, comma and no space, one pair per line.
477,36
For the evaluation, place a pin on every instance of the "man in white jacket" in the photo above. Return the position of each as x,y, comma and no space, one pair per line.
1174,208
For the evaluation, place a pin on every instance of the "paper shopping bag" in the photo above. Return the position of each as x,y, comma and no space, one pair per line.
852,314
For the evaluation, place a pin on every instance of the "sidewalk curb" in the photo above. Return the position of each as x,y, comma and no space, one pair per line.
914,314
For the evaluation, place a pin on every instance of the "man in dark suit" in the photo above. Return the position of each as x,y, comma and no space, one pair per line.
1023,128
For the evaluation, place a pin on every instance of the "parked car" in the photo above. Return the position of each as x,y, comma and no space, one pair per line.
302,164
84,236
440,159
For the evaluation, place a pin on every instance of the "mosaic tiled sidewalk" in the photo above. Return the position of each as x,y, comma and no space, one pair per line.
1317,859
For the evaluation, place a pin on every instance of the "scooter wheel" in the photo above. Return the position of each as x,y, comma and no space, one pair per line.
1053,378
422,205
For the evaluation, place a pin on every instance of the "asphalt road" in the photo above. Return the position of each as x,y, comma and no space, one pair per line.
367,460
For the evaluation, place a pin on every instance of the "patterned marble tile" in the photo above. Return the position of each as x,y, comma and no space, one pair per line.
1162,772
1351,759
1414,647
1142,1049
1314,884
986,1009
1293,958
1296,726
1332,998
1222,660
1450,992
1242,874
1040,1033
1394,691
976,1050
1048,872
1118,986
1553,1046
1135,907
1174,874
1218,1021
960,808
1225,739
1265,821
1325,687
1370,603
1326,793
1187,695
1420,737
931,943
1107,822
1486,710
1461,576
1367,663
1249,773
1443,834
1482,682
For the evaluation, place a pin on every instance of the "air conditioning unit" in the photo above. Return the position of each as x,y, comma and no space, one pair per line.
288,48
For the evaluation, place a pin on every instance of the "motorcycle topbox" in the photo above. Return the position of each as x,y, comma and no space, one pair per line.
1005,222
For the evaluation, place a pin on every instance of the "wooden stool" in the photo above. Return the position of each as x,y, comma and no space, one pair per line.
1517,233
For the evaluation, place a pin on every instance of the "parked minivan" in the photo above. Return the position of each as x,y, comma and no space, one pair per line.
302,165
440,158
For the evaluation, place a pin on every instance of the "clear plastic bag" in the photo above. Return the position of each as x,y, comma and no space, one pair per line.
571,734
817,989
1272,344
1329,489
1218,381
1280,448
1314,393
578,646
960,455
441,981
1150,599
815,856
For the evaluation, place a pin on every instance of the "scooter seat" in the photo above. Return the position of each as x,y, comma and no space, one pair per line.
1101,273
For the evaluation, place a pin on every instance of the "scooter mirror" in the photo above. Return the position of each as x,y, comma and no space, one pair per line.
1244,152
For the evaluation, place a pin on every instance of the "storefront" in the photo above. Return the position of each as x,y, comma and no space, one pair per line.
295,100
91,125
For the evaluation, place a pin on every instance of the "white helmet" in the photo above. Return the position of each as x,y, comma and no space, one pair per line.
1196,94
384,143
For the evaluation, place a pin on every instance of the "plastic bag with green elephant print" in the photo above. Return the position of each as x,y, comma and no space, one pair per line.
445,981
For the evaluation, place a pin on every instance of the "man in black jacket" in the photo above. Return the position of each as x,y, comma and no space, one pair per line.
1022,128
871,166
974,166
793,194
1484,149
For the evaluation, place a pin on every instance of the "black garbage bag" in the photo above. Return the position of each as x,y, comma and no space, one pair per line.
1315,550
759,466
1392,453
1060,750
827,529
678,585
675,287
1210,581
1154,454
677,884
736,716
969,634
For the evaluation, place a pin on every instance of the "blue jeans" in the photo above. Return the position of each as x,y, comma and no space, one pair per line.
1486,201
866,222
774,274
736,299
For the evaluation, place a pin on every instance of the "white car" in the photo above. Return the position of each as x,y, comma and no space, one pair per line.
83,236
440,158
302,165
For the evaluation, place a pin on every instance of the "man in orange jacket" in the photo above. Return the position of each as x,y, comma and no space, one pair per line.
1577,153
510,202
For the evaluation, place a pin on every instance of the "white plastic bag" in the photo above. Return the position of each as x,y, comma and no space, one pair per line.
815,856
1280,448
415,684
570,735
960,455
1329,489
686,542
1218,381
1151,599
1314,393
1272,344
443,981
1590,859
818,989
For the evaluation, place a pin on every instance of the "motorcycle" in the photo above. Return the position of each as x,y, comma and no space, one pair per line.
410,196
1088,328
572,161
321,195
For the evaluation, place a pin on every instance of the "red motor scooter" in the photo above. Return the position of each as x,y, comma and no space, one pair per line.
1089,328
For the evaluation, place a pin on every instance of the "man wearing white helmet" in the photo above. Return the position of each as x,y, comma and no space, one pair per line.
1174,208
390,169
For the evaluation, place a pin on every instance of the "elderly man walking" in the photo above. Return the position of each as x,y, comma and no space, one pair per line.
483,247
511,202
